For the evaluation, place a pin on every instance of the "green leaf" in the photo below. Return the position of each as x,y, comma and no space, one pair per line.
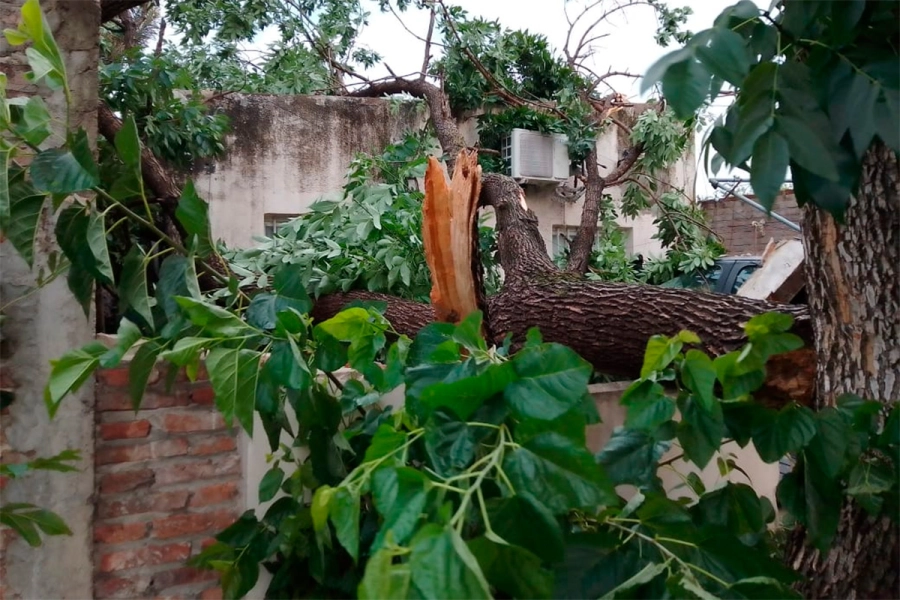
270,484
700,431
650,572
734,508
659,68
233,374
685,85
128,144
383,580
769,167
630,457
65,172
185,351
551,381
561,474
648,406
828,448
699,375
96,239
442,566
177,277
512,569
464,394
127,336
385,441
823,506
24,214
543,536
287,367
806,147
32,123
193,214
344,513
264,308
212,319
468,332
69,372
660,353
792,430
140,369
868,477
133,286
399,495
450,443
24,518
726,56
319,507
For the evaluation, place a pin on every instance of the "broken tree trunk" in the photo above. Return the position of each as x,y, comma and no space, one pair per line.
450,237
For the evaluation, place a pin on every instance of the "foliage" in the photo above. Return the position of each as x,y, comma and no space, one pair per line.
368,239
166,104
429,500
28,520
817,83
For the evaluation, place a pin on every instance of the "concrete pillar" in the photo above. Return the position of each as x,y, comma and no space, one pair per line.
42,327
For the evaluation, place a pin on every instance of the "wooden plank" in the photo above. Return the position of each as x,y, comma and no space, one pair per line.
781,276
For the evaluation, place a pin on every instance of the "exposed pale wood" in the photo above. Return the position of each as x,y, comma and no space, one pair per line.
781,275
449,213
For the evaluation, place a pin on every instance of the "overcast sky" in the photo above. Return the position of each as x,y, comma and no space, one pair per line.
629,46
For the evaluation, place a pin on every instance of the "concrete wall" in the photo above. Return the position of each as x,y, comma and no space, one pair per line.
745,230
284,152
42,328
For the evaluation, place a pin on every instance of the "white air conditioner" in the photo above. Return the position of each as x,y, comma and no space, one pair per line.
533,157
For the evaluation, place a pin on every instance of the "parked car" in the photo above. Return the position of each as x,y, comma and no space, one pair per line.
725,277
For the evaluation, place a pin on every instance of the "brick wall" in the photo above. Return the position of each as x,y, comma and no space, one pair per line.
745,230
167,480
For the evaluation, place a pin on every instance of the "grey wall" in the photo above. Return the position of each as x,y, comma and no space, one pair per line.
43,327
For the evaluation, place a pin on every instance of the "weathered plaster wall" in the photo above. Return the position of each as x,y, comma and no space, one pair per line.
284,152
43,327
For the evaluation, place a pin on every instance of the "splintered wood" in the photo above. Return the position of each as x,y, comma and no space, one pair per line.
448,232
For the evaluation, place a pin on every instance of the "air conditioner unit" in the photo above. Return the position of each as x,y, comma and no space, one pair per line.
533,157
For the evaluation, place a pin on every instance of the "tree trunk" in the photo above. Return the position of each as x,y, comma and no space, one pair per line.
853,282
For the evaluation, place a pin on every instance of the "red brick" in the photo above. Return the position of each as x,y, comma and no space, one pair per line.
125,481
143,503
191,523
212,445
117,377
213,593
119,400
119,587
125,430
144,556
141,451
203,395
214,494
119,532
185,422
218,466
182,576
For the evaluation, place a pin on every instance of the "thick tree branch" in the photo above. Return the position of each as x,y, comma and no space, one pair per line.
110,9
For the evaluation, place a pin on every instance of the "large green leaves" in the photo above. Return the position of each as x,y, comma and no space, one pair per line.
69,372
233,375
400,496
133,295
442,566
512,569
25,204
552,379
769,166
726,56
193,214
212,319
631,457
66,171
28,521
566,475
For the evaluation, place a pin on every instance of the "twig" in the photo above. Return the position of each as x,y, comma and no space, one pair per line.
159,39
427,58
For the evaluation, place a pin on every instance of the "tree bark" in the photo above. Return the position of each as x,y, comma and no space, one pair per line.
110,9
853,284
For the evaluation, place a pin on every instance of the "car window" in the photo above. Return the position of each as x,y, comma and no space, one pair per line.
709,278
742,276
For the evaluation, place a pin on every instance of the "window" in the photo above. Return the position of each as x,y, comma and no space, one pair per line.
563,236
275,220
742,277
707,280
